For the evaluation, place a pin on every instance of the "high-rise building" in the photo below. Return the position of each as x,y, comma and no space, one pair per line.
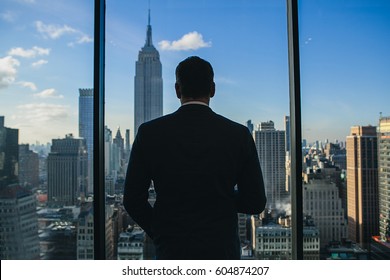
270,145
18,224
28,166
67,178
9,154
108,164
362,184
322,203
384,175
85,249
127,145
148,83
118,152
250,126
287,135
86,128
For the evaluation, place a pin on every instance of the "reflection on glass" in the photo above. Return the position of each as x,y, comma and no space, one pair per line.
45,150
344,66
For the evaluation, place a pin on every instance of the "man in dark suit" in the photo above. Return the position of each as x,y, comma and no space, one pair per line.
204,169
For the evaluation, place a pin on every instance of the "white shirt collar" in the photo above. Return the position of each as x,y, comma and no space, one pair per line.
195,102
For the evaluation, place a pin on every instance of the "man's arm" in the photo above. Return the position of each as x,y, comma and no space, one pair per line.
137,183
251,197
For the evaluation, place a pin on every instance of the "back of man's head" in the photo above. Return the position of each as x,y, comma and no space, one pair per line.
195,76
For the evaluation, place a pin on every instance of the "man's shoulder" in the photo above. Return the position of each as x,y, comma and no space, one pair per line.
170,121
231,124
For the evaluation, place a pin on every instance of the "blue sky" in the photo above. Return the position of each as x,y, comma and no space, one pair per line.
46,55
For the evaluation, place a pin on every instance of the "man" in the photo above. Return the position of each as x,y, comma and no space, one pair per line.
204,169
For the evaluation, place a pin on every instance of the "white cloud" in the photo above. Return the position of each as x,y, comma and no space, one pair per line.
39,63
82,40
54,31
8,70
42,112
29,53
189,41
29,85
8,16
308,40
48,93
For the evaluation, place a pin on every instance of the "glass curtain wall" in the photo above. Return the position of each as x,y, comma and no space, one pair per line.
46,80
246,42
345,64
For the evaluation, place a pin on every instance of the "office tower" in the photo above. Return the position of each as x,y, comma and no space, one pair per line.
288,155
287,135
86,128
18,224
336,155
119,142
28,166
9,154
127,147
384,175
270,145
249,125
362,184
148,84
107,151
67,171
118,151
322,203
85,249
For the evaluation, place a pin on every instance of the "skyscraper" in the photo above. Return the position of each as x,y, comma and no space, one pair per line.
9,154
362,184
270,145
19,224
86,128
322,203
148,84
28,166
384,175
67,170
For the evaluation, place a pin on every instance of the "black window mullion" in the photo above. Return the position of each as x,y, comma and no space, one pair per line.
98,132
295,129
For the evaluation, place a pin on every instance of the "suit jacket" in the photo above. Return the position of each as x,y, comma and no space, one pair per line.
205,169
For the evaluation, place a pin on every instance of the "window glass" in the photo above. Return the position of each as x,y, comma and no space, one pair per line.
345,119
46,73
246,43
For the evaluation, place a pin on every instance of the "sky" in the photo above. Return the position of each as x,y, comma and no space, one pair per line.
46,55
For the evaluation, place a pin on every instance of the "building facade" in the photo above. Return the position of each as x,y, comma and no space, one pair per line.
9,154
19,224
67,173
362,184
322,203
274,242
86,128
148,83
384,178
270,145
28,166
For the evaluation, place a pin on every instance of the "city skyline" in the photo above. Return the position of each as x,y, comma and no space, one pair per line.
48,56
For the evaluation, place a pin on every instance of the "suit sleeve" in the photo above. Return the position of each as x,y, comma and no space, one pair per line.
250,195
137,183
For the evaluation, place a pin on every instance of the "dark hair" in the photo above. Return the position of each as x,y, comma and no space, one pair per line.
195,77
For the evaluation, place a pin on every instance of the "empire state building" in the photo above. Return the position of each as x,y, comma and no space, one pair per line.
148,84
